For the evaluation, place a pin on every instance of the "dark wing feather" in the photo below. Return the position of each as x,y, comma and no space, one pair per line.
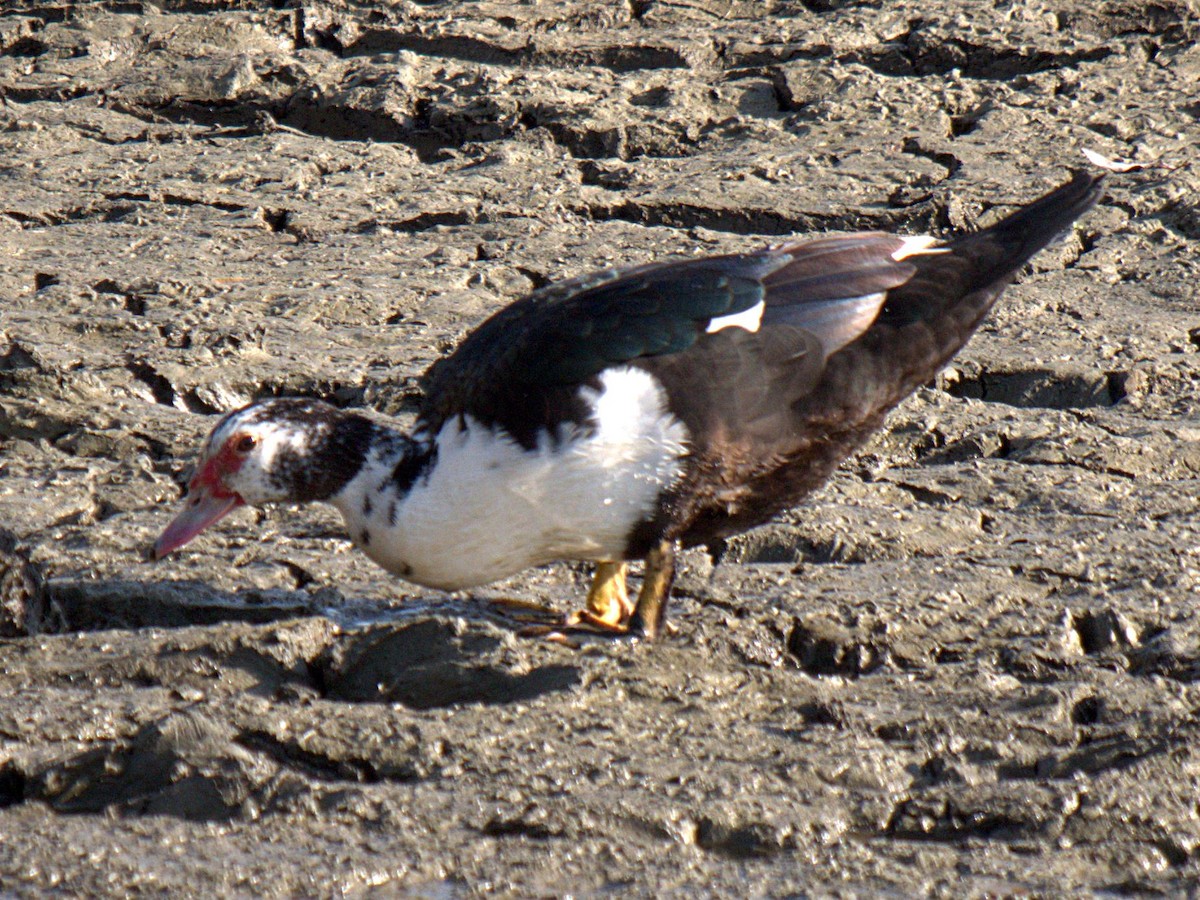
835,287
522,367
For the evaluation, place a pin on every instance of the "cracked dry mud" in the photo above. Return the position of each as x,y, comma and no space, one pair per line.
970,667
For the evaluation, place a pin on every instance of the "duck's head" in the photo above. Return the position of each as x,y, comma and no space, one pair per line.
288,450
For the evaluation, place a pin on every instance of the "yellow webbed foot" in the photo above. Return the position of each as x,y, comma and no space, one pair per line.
608,605
609,610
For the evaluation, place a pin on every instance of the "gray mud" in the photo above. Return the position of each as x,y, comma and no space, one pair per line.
969,667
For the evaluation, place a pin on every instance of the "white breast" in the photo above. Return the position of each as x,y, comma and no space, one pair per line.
489,508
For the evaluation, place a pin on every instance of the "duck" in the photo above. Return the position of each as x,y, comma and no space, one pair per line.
626,414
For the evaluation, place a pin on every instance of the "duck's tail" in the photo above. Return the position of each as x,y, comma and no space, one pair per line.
964,277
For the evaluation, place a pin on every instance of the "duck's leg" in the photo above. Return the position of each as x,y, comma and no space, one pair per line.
608,608
650,613
608,605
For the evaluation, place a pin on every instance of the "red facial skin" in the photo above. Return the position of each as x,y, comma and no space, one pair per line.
208,499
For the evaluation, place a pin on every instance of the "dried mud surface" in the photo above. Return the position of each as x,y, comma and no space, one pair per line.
969,667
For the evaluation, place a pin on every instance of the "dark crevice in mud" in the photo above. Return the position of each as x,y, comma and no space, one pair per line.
836,550
943,158
113,207
1087,711
316,671
1183,218
160,385
1100,750
749,841
936,818
538,279
639,8
828,6
1038,388
66,216
345,123
927,494
449,682
303,115
12,785
917,53
964,124
276,220
820,712
327,768
97,606
1102,630
917,218
175,200
593,173
616,142
17,94
194,403
424,221
1087,243
135,303
1177,854
24,606
301,577
524,52
428,221
502,827
27,47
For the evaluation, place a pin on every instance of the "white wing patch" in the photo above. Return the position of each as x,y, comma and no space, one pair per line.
916,245
749,319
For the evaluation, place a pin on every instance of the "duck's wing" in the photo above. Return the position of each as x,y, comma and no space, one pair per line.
859,320
797,303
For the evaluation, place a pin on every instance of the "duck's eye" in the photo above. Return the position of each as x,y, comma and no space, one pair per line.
245,443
